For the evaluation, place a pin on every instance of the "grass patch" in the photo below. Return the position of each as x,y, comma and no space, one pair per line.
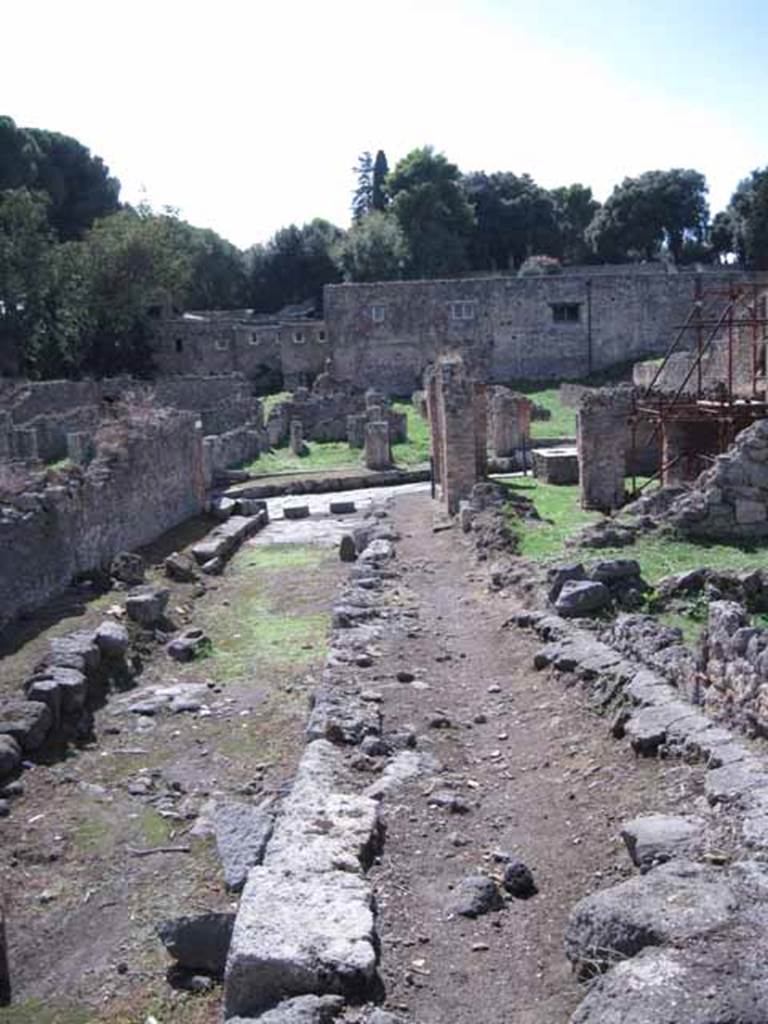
155,830
657,554
94,835
562,422
417,449
268,402
253,629
563,515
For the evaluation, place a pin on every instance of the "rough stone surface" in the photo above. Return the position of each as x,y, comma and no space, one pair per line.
719,979
128,568
200,942
180,567
242,833
10,755
581,597
656,838
26,721
672,903
300,1010
112,639
147,607
474,896
347,549
188,645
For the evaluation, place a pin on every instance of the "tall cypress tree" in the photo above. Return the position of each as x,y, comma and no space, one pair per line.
380,171
362,198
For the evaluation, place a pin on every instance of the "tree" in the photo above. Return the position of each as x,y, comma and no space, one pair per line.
362,197
374,249
747,214
293,266
79,184
380,172
658,209
432,211
515,219
575,208
218,275
18,156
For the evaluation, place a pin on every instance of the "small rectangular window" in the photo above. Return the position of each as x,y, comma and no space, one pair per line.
321,335
221,344
378,314
462,311
566,312
298,337
254,339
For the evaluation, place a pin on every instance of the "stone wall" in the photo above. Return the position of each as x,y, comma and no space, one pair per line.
507,329
271,354
146,478
457,419
509,421
730,500
602,438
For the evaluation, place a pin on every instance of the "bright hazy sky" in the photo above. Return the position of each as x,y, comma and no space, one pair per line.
249,114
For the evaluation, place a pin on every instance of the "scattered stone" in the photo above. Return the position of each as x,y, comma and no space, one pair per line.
300,1010
199,943
76,650
223,508
25,721
190,644
242,833
347,549
404,676
374,746
657,838
518,880
341,508
475,895
439,720
295,511
127,567
581,597
449,800
383,1017
180,567
147,607
561,574
214,566
112,639
5,808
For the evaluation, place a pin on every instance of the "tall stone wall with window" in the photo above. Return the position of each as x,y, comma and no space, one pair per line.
507,328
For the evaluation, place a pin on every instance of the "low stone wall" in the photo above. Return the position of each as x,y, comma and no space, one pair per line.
223,451
145,479
730,500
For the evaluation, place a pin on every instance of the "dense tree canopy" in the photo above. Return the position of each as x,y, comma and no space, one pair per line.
643,215
743,227
429,205
374,249
293,266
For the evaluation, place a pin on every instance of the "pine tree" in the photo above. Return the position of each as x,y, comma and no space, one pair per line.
380,171
362,198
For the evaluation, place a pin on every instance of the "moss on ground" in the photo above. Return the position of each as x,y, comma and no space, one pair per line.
254,627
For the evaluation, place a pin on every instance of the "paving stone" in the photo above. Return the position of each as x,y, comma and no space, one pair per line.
180,567
298,935
578,598
295,511
672,903
718,979
242,832
732,782
147,607
300,1010
647,727
656,838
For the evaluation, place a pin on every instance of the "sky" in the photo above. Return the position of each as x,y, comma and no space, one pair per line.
247,115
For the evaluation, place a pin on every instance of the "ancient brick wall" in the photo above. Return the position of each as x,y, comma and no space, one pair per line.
457,419
144,480
603,439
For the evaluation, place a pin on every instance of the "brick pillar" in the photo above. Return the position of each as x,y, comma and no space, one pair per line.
457,421
480,423
602,439
377,451
435,425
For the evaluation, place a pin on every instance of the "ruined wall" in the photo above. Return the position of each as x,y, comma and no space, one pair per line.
603,438
269,354
457,420
730,500
144,480
506,328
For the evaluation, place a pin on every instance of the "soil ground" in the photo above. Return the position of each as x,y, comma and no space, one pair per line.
545,783
543,779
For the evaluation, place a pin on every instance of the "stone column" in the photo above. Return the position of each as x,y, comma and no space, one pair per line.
297,438
480,426
457,417
377,453
79,448
356,430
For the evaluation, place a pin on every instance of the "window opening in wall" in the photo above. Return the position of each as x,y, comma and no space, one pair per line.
566,312
321,335
254,339
378,314
221,344
462,311
298,337
179,344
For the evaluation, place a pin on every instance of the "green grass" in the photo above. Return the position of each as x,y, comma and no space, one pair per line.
155,830
253,629
658,555
563,421
268,402
330,455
